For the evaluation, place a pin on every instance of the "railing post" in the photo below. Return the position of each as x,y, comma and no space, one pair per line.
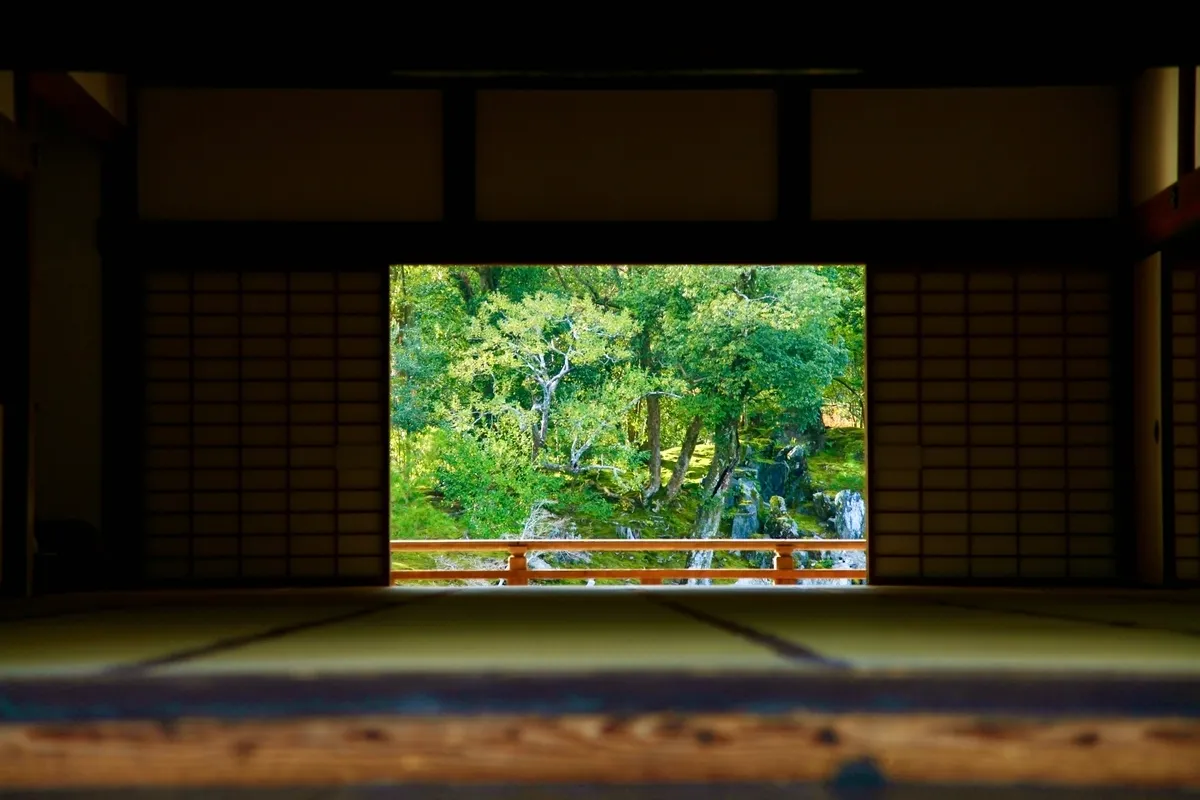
651,581
784,560
517,567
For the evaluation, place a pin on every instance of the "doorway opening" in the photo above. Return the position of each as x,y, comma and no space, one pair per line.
674,424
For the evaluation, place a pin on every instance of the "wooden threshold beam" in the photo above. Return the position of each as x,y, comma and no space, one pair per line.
609,749
624,728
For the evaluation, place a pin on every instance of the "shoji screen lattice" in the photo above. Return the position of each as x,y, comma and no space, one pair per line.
1184,405
991,426
266,427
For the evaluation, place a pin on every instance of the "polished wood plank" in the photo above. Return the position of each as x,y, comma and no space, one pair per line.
605,749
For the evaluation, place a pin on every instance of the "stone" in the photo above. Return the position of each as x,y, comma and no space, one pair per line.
778,523
744,490
849,515
823,507
700,559
771,478
798,483
745,523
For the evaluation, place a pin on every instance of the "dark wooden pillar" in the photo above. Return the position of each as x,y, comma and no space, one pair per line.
16,548
123,385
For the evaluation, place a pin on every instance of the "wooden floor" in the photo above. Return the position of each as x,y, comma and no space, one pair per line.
1067,688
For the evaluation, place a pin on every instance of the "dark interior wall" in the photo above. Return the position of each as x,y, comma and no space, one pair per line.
66,340
6,110
289,155
1183,275
984,153
266,432
992,402
626,155
7,94
992,431
1006,153
13,197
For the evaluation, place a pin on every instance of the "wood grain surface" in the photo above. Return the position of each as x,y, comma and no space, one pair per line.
603,749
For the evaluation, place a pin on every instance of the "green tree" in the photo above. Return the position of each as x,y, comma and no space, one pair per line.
526,349
846,391
557,387
755,339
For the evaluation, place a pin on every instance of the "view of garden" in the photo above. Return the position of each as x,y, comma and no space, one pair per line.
627,401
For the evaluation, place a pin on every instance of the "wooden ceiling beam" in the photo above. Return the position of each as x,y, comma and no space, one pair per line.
316,245
59,92
700,75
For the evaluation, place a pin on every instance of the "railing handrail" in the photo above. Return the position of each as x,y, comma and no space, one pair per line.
519,574
646,574
618,545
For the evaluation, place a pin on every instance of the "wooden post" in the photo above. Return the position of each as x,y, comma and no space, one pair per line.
518,566
651,581
1150,278
784,560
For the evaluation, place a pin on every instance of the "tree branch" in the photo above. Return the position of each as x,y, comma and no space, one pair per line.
596,298
567,468
848,386
765,298
558,274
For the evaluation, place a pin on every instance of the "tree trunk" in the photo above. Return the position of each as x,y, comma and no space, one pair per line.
714,469
463,281
726,452
708,519
631,425
653,432
543,427
487,278
685,458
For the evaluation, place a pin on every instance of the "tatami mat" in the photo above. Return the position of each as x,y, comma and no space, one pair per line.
1145,611
972,630
83,642
552,629
530,630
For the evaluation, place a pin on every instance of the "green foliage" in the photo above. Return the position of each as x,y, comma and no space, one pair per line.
847,391
839,465
524,384
488,489
755,340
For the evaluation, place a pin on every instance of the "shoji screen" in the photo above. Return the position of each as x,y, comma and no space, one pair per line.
265,440
1184,404
990,425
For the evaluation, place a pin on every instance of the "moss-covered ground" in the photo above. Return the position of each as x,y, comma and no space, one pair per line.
418,514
